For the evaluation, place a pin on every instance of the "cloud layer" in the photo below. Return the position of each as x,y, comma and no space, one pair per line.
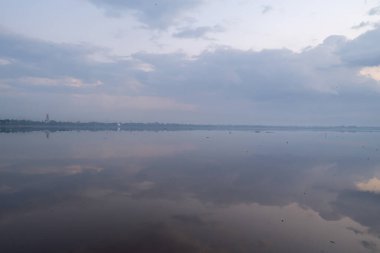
333,83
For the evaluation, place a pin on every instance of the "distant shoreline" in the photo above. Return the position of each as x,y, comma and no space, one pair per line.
9,125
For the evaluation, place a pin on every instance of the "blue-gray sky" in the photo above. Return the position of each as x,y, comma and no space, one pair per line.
191,61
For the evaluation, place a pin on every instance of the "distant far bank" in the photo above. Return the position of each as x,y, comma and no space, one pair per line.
10,125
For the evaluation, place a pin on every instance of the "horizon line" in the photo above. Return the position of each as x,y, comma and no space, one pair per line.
196,124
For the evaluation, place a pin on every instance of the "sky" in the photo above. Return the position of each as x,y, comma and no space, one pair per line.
275,62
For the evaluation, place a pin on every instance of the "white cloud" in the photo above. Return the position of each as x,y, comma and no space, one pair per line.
77,169
4,62
371,72
144,67
372,185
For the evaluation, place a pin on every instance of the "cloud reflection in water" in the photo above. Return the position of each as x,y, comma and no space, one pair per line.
239,192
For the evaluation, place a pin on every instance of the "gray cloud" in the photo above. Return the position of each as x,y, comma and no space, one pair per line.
267,74
36,64
361,25
320,85
266,8
155,14
374,11
315,82
198,32
29,57
362,51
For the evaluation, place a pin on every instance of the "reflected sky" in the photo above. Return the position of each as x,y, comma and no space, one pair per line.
197,191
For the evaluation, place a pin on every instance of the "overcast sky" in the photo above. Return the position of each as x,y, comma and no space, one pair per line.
288,62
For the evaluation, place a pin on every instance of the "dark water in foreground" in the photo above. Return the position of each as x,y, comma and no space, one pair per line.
196,191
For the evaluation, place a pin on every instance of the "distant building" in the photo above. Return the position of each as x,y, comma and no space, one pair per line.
47,118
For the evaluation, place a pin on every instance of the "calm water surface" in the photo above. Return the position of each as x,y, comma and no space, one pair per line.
197,191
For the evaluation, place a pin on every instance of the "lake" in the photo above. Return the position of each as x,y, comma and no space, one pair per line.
189,191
